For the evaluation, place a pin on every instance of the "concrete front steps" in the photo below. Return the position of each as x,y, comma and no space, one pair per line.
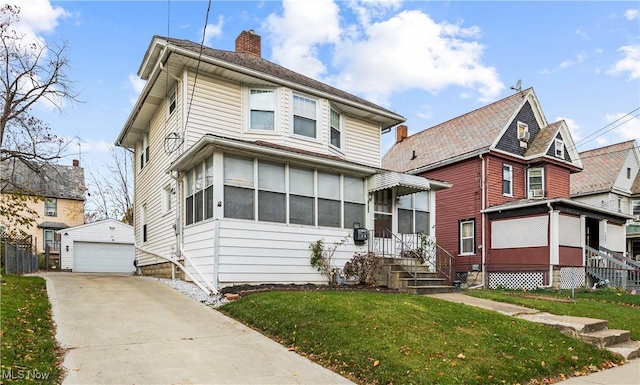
592,331
396,273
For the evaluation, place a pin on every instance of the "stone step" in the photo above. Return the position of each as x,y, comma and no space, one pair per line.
420,290
607,337
419,274
628,350
410,281
569,325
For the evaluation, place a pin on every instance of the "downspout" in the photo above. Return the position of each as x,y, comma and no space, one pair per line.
482,224
178,223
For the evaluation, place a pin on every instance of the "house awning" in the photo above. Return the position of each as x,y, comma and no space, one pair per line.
53,225
404,184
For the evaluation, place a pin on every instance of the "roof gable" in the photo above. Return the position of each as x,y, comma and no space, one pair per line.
456,139
601,167
543,145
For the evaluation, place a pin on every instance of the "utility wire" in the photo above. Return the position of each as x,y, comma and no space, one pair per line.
584,140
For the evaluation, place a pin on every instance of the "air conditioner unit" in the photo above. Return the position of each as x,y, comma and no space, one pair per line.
524,135
537,193
51,213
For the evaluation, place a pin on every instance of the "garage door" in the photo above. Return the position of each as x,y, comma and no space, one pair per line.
93,257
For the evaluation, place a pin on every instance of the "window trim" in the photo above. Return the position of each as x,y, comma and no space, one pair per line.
340,129
47,201
510,180
144,150
461,222
167,205
315,120
530,194
250,109
205,189
522,134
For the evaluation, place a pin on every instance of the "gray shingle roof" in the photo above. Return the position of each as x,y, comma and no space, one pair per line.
264,66
601,167
474,131
49,180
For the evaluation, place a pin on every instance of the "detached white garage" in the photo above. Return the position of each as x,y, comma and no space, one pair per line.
99,247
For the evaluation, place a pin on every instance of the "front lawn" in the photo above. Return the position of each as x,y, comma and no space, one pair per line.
618,307
375,338
28,347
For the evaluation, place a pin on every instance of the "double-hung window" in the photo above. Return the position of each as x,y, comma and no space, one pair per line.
535,182
144,151
304,116
271,192
262,105
559,148
413,213
336,129
51,207
467,236
507,179
353,201
172,102
239,185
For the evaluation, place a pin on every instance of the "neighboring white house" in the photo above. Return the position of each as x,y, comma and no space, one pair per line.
99,247
611,180
242,163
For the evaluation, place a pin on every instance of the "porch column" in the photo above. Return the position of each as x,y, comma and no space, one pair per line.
602,241
554,237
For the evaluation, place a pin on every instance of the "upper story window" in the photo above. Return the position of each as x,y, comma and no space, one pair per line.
144,151
523,131
467,236
262,105
167,193
172,102
535,182
304,116
628,172
336,129
559,148
636,207
199,192
51,207
507,179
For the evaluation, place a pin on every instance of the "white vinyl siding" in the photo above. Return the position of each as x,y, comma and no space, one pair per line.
362,142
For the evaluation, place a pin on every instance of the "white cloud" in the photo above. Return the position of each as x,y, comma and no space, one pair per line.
627,127
631,14
574,128
137,85
579,59
366,10
408,51
298,33
629,63
582,33
213,31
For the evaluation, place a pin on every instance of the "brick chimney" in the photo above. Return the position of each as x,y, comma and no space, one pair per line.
249,42
401,133
75,163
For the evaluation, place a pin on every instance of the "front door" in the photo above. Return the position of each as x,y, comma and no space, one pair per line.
593,233
383,217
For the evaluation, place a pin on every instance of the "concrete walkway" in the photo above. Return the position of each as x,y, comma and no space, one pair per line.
621,375
122,329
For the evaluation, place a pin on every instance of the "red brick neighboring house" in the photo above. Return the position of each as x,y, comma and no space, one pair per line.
508,214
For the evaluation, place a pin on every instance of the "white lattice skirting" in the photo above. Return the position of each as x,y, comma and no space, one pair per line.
516,281
572,277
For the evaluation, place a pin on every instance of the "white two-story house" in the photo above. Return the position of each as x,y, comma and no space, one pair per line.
241,164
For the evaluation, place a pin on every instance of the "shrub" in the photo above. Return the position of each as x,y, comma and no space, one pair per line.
364,267
322,256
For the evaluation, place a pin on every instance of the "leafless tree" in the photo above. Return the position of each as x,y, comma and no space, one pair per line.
111,193
31,72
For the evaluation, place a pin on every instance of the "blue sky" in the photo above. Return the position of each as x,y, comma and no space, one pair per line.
428,61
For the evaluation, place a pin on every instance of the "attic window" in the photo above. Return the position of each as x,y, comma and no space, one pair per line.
523,131
559,149
628,172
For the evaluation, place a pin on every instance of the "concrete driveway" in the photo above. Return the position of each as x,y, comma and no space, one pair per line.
121,329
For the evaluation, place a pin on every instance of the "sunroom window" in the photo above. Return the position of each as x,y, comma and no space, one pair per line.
301,196
353,201
238,187
413,213
271,192
199,192
329,199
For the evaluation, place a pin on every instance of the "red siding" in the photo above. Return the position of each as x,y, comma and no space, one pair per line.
558,182
528,257
570,256
494,180
461,201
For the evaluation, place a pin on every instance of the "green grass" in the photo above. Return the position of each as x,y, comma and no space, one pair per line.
375,338
620,308
28,347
